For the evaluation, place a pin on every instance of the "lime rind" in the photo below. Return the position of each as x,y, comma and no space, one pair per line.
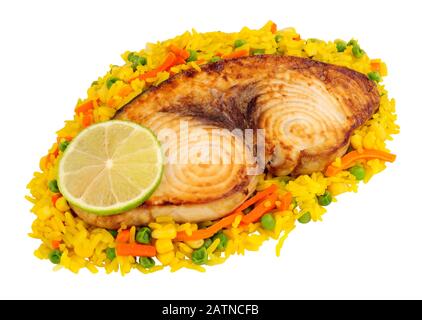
119,207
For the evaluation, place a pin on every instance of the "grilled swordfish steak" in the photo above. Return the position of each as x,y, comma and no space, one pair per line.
308,110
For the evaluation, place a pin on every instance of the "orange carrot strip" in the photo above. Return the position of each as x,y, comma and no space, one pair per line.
168,63
179,60
375,66
259,196
200,61
210,231
273,28
55,152
68,138
87,120
123,92
135,250
262,208
236,54
226,221
123,236
148,74
55,244
84,107
55,197
350,159
286,200
179,52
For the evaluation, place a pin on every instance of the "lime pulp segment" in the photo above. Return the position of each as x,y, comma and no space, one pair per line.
111,167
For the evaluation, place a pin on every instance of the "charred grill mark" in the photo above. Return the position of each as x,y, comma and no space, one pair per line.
250,111
211,117
228,110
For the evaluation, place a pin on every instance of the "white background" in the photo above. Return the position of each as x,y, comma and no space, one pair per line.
369,245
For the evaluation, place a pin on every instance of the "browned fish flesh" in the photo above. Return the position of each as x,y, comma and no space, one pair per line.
308,110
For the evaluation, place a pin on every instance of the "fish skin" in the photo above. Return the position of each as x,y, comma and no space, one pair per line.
308,108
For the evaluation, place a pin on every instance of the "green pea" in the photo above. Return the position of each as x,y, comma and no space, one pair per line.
352,42
357,51
131,57
374,76
146,262
258,51
207,243
111,81
294,203
239,42
52,185
94,83
113,233
268,221
63,145
55,256
215,59
142,61
200,256
305,218
358,172
143,235
341,45
223,240
110,253
278,38
325,199
193,56
136,60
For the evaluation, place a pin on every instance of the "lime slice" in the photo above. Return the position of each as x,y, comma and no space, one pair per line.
111,167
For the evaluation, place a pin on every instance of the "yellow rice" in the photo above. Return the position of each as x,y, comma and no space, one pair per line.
84,246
